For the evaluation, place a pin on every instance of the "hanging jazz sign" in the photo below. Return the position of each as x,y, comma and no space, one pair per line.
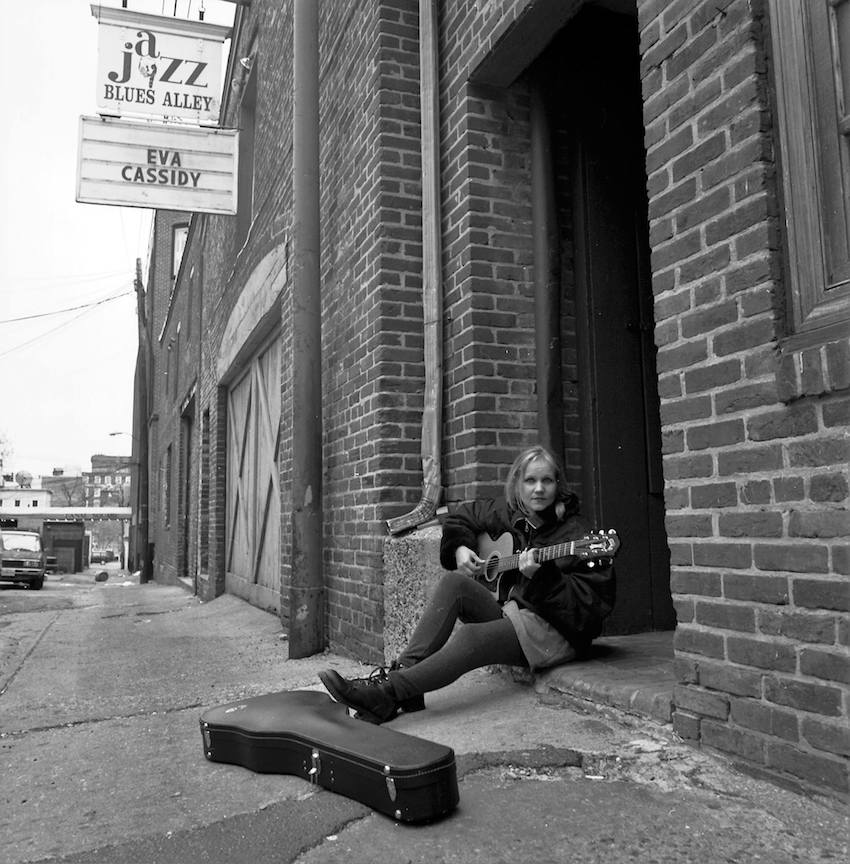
156,143
154,66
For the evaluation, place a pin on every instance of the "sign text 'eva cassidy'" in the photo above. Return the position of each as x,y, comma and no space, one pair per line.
162,166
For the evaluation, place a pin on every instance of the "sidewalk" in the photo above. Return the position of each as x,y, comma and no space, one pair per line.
102,757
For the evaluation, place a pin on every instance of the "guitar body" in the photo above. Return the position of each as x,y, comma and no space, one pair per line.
492,551
500,572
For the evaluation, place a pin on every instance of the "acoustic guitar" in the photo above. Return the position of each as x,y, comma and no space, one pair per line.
500,572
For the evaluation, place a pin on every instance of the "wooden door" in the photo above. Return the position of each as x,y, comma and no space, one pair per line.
253,481
623,481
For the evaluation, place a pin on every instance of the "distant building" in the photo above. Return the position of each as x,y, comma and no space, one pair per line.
108,483
68,489
56,506
13,496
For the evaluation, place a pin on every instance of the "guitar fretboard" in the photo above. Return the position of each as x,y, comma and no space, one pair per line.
542,555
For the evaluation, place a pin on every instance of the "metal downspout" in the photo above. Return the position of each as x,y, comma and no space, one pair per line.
432,289
141,415
306,590
547,282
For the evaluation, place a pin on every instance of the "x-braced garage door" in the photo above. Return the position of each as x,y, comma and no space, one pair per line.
253,483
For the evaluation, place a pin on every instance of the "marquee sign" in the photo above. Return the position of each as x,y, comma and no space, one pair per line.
155,66
158,166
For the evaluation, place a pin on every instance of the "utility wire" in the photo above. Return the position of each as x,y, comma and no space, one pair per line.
72,279
42,335
69,309
85,311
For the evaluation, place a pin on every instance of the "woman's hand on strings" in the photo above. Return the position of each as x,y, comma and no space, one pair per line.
468,562
527,564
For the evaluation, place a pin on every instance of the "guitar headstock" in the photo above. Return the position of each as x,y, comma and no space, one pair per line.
598,546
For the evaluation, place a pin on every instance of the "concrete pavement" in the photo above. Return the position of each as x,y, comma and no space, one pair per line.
102,685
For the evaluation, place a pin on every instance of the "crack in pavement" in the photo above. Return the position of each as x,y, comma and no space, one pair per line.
26,656
89,721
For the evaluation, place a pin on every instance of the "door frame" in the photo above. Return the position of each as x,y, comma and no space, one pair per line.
257,503
187,463
624,196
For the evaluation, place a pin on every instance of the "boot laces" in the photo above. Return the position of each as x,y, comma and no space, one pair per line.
377,676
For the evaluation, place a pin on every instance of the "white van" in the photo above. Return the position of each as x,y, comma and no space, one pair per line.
21,557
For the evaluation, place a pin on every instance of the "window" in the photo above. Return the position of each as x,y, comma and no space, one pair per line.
190,300
177,360
179,234
811,56
204,502
166,487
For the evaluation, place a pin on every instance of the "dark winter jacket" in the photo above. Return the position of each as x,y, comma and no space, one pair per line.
573,597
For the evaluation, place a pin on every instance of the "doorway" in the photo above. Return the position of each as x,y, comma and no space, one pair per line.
252,562
186,567
597,97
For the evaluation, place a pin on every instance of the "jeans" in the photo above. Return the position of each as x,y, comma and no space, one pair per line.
437,654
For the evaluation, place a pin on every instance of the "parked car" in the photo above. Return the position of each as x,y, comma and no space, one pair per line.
22,558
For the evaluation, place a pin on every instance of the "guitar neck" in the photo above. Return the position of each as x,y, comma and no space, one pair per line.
542,553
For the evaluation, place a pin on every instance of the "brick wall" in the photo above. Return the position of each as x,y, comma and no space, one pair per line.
489,290
228,263
174,334
371,286
755,446
372,312
756,452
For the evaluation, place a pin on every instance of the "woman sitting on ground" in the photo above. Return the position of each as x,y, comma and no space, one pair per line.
551,615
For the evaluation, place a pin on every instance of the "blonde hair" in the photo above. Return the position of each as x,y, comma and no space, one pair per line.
517,473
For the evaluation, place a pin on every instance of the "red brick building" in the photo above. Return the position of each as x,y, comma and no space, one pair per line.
172,340
108,484
67,490
618,227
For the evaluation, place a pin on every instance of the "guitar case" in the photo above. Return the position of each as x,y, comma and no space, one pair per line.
308,734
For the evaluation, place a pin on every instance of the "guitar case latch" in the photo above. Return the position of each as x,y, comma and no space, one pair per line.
391,790
315,767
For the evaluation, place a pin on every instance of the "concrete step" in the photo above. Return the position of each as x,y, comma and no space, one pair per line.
631,673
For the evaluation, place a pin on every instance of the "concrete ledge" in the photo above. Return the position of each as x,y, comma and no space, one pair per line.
632,673
411,571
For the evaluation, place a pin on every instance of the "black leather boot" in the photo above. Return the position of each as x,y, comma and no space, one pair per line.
372,698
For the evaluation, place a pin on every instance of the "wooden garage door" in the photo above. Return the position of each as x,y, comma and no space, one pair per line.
253,484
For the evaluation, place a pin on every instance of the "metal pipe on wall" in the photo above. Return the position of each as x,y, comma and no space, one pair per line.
547,277
141,412
307,590
432,288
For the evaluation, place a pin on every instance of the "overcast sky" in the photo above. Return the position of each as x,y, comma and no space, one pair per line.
66,377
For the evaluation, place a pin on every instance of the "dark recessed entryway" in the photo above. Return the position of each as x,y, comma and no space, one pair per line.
595,98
